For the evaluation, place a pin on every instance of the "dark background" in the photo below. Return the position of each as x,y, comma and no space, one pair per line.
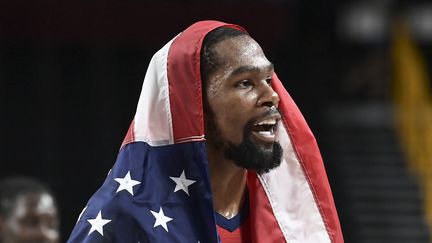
71,73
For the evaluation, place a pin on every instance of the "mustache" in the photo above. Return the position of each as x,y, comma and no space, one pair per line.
271,111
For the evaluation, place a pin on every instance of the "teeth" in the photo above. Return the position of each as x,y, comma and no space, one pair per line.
266,133
266,122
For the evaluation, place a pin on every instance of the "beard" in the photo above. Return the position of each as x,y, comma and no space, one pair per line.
247,154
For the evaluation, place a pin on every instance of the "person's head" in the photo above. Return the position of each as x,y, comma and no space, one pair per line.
28,212
240,105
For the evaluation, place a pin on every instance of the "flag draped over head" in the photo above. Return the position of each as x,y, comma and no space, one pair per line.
159,188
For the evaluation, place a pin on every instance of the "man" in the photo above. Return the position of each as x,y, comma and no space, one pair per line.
28,212
209,157
237,75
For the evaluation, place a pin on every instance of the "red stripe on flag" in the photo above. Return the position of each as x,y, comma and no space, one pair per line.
129,138
309,156
264,226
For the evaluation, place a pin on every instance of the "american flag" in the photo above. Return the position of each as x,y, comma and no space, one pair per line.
159,188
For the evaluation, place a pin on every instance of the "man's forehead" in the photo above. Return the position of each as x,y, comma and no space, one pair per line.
242,51
243,43
264,66
41,202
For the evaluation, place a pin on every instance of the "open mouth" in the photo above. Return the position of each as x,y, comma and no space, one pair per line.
265,129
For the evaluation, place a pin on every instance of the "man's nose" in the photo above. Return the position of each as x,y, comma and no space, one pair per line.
268,96
44,234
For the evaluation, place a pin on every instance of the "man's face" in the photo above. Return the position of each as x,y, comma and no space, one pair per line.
33,220
241,106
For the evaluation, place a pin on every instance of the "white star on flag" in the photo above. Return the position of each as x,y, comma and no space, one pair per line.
126,183
98,223
161,219
182,183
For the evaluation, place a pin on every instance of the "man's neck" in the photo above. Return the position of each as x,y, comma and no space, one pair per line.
228,183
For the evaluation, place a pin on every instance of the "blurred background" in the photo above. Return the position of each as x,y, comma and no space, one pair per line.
71,73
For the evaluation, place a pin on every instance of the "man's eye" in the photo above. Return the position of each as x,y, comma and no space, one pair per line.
31,222
269,80
244,83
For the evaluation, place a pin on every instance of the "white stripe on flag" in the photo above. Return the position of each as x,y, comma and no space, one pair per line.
291,198
153,121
